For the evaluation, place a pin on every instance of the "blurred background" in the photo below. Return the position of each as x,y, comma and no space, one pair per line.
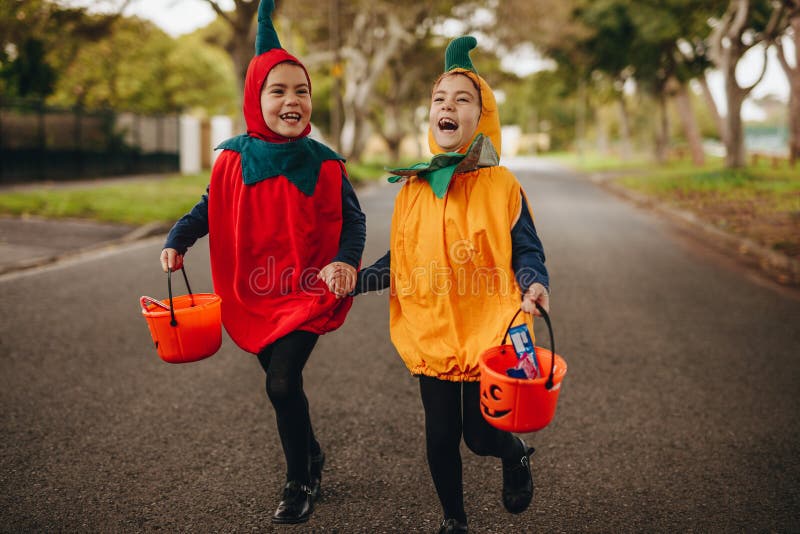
103,87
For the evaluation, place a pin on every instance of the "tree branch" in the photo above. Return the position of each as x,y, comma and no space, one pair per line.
777,23
218,10
782,59
746,90
739,20
717,35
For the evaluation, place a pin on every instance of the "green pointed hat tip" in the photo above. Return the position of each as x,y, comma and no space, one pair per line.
266,37
457,54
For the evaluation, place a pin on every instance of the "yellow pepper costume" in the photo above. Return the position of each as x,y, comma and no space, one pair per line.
453,286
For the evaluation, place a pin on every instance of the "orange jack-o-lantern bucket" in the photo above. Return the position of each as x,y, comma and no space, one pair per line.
185,328
520,404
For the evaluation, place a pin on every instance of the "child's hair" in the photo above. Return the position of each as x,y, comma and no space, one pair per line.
459,73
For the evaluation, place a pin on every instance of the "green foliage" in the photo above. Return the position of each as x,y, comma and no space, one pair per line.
38,40
74,58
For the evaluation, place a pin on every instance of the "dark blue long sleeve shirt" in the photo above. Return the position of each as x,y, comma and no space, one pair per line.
527,259
194,225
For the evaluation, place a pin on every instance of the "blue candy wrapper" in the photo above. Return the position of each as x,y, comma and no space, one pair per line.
527,362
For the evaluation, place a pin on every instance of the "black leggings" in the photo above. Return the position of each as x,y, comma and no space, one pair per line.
283,361
447,415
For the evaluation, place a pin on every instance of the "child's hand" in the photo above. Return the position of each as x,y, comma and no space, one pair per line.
340,278
536,293
170,259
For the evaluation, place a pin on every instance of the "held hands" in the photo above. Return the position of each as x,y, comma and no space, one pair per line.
340,278
170,259
536,293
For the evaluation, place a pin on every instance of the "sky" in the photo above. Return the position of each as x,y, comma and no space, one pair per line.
177,17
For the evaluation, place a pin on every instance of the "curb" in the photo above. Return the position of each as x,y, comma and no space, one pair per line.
137,234
779,267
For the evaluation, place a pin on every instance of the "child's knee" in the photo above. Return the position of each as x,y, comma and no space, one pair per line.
281,390
479,442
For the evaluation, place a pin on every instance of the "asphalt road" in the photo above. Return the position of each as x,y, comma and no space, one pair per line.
679,411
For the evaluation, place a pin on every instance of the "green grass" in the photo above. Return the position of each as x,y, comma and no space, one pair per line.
128,202
133,202
780,186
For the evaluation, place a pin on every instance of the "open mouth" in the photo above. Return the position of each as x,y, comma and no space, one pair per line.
447,124
291,117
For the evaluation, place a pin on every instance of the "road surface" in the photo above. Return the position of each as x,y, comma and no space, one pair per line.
679,410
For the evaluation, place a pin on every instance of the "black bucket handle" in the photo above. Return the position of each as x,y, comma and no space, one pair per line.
549,384
173,321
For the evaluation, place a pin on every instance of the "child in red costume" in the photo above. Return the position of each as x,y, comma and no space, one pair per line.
286,235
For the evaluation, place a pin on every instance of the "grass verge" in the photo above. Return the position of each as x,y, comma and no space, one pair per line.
758,202
133,202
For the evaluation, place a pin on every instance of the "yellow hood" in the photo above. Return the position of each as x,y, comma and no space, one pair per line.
457,61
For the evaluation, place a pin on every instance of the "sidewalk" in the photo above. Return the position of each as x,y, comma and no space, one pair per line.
32,241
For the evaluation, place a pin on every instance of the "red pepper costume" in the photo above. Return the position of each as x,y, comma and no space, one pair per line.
275,219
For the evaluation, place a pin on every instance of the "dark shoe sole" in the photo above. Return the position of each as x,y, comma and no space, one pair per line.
291,520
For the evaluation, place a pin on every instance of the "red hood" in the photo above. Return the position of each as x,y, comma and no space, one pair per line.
256,76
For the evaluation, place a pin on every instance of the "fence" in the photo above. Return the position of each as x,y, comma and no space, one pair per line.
40,143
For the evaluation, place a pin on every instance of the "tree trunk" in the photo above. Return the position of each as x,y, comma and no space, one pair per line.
689,123
712,107
793,75
241,53
355,130
624,128
662,129
734,130
730,39
241,46
602,132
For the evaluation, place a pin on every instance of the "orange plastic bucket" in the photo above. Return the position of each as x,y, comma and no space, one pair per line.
186,328
518,404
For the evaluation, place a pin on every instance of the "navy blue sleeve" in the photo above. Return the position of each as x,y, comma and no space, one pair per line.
527,253
354,227
375,277
190,227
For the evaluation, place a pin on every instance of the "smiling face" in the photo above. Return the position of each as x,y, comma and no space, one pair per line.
455,112
286,100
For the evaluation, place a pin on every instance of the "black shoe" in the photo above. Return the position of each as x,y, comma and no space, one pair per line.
518,481
452,526
317,463
296,505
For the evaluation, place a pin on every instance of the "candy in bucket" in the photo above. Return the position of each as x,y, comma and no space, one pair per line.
527,362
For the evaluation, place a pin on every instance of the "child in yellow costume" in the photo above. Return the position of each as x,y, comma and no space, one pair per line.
464,257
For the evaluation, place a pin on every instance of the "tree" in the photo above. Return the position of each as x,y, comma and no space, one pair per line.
140,68
240,42
793,74
39,39
664,61
379,32
745,24
401,91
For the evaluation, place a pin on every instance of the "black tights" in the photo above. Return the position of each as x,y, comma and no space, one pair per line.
447,415
283,361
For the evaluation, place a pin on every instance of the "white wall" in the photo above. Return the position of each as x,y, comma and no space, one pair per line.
190,161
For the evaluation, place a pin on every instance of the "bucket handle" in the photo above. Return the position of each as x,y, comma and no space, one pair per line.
549,384
173,321
146,301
